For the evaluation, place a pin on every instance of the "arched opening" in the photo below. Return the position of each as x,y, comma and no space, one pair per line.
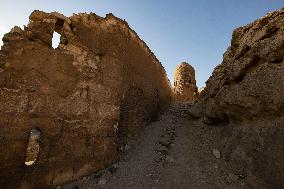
33,147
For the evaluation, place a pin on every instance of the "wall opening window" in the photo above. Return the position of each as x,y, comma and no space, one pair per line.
55,40
33,147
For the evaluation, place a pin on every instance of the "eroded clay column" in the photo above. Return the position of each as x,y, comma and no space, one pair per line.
184,83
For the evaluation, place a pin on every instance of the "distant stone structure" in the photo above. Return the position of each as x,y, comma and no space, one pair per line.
99,87
184,83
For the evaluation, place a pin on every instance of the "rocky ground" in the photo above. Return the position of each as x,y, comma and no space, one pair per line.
173,152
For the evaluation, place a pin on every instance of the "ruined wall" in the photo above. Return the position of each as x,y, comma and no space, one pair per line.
246,95
185,88
99,87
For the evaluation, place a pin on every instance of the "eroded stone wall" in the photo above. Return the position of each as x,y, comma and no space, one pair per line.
99,87
245,94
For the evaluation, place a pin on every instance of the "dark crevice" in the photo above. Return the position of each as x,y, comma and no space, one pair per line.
72,27
277,60
242,52
248,69
269,32
59,25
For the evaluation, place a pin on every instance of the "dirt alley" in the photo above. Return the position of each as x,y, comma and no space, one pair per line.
173,152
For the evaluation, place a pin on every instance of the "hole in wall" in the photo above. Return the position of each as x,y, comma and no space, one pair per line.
99,57
55,40
33,147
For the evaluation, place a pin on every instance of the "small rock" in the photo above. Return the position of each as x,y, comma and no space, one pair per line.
97,175
127,147
113,168
241,174
215,166
207,121
216,153
233,177
164,142
163,150
169,159
102,182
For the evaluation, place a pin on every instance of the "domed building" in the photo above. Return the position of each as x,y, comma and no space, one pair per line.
184,83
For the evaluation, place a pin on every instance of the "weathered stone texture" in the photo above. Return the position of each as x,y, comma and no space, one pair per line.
247,91
99,87
185,88
250,81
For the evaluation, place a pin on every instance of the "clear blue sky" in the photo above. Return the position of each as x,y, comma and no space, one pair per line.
195,31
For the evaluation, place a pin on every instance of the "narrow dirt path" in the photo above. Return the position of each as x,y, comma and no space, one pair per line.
173,152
